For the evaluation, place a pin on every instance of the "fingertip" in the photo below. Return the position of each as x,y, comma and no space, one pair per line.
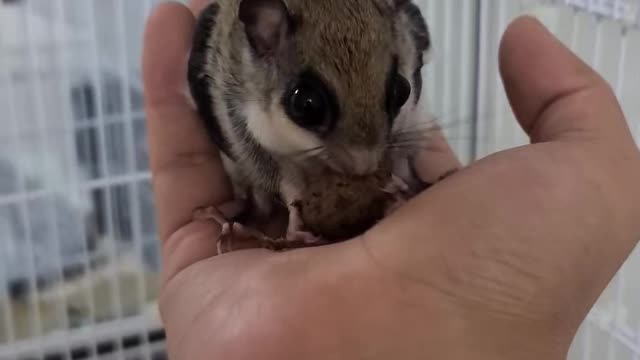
538,70
522,38
519,29
166,18
167,41
435,161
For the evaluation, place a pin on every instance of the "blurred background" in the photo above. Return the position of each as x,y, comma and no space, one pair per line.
79,259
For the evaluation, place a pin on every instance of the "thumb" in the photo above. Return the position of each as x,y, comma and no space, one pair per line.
563,97
529,223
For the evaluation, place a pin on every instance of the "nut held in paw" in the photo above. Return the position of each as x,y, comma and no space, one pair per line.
338,207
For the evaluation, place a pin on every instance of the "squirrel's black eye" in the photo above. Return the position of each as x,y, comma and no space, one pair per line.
399,94
309,105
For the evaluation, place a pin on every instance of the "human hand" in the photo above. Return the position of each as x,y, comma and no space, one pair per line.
500,261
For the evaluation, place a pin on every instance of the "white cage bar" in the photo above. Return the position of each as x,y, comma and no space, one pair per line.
78,255
75,199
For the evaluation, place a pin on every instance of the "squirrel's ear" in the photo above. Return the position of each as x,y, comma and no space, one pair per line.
267,24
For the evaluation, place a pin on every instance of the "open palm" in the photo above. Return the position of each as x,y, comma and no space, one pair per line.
506,251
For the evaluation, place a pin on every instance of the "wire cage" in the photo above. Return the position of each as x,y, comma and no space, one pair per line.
79,259
78,252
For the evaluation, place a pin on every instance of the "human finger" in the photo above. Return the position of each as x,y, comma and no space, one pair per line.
560,80
437,160
186,169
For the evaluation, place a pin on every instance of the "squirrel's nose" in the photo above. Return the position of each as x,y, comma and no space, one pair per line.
357,161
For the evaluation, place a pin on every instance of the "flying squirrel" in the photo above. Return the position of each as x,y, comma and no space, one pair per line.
314,105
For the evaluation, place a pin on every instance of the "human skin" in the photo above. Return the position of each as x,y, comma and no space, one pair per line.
502,260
